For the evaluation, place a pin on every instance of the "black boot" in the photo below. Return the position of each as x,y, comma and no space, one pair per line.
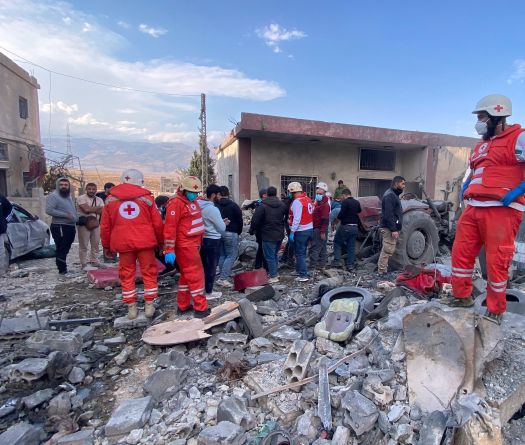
185,311
458,302
202,314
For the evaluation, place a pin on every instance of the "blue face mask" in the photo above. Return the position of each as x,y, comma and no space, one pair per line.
318,197
192,196
290,195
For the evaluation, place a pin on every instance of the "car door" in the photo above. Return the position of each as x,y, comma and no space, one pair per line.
18,234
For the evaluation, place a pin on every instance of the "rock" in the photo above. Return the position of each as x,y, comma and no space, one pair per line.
268,307
395,413
115,341
60,364
22,434
59,405
341,436
364,337
78,399
30,369
306,427
163,384
401,393
415,413
403,433
82,437
232,338
328,347
22,325
266,357
129,415
134,436
37,398
8,407
285,334
47,341
222,433
234,410
433,428
361,413
173,358
101,349
86,332
123,356
260,344
76,375
125,323
373,389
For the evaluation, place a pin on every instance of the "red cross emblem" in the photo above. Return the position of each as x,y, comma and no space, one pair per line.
127,178
129,210
195,187
498,108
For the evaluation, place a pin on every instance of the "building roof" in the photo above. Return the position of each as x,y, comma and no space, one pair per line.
297,130
17,70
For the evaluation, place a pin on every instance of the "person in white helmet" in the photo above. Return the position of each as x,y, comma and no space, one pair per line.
494,200
132,226
321,219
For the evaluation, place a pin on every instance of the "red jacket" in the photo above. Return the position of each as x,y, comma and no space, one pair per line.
495,168
130,220
321,215
184,226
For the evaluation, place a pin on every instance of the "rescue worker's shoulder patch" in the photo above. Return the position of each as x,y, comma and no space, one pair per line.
146,200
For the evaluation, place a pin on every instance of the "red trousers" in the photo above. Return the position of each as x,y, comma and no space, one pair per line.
191,281
492,227
127,267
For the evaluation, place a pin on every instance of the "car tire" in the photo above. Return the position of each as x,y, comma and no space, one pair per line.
418,242
344,292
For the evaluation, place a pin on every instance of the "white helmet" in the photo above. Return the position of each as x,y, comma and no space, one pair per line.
322,186
295,187
191,184
495,105
132,176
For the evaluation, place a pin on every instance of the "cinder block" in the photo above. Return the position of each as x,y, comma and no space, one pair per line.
298,360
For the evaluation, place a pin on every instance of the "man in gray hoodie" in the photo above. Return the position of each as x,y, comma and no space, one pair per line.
214,227
61,208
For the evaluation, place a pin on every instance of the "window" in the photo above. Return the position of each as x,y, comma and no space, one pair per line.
383,160
373,187
22,107
4,154
308,183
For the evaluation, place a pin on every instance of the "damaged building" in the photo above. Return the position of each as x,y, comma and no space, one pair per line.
271,150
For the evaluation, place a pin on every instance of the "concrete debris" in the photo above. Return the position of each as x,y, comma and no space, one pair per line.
324,406
329,347
37,398
124,323
76,375
22,434
163,384
233,409
285,335
173,359
82,437
360,413
59,405
86,332
260,344
22,325
433,429
124,355
129,415
30,369
47,341
298,360
341,436
223,433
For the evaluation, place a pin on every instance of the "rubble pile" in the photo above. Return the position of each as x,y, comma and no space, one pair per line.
66,379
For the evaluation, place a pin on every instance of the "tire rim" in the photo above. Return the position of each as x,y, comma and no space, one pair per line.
416,244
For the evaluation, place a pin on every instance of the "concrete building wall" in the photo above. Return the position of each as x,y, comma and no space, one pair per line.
339,160
228,169
21,135
452,163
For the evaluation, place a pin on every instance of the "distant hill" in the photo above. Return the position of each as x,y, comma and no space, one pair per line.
115,155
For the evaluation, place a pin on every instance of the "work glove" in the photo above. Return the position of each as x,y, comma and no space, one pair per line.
513,194
169,258
464,188
291,237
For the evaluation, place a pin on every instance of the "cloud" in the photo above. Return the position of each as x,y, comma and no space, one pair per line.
59,107
186,137
123,24
274,34
519,72
88,27
36,30
153,32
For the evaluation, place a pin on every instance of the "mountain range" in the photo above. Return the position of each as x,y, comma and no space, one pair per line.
115,155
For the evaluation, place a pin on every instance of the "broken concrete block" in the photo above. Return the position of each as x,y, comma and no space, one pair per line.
285,335
433,428
47,341
30,369
163,384
233,339
260,344
307,426
234,410
133,438
129,415
298,360
341,436
174,359
223,433
82,437
86,332
267,307
395,413
329,347
76,375
37,398
361,414
403,434
22,434
125,323
123,356
115,341
22,325
374,390
59,405
365,336
266,357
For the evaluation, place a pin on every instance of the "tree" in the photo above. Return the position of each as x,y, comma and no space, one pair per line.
195,168
60,169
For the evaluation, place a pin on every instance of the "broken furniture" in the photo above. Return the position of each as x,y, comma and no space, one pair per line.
102,278
258,277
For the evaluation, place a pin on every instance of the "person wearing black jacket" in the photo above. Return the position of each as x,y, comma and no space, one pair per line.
269,220
288,256
5,210
259,258
391,222
232,215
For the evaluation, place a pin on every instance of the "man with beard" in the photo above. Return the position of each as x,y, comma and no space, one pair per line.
61,208
89,206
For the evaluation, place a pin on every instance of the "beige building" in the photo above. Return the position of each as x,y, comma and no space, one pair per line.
21,156
269,150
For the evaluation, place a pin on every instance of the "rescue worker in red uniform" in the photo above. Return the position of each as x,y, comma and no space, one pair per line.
132,227
183,233
494,200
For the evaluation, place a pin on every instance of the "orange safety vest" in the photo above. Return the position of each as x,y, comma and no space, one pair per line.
184,225
495,169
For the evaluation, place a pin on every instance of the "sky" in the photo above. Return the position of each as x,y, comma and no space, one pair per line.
410,64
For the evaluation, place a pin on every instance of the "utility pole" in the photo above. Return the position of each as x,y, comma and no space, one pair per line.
203,143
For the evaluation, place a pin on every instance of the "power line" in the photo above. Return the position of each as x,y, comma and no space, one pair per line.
94,82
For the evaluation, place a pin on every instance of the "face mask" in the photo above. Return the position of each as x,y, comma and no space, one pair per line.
318,197
290,195
192,196
481,127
